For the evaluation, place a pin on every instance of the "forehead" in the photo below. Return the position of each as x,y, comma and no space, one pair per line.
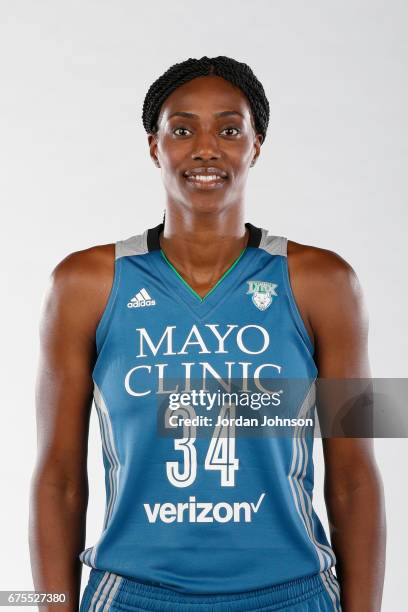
205,96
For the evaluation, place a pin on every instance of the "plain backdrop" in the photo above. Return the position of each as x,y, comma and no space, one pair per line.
75,171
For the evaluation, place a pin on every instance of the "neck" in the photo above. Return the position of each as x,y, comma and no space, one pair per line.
203,246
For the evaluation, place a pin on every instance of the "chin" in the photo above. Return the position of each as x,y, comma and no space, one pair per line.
204,206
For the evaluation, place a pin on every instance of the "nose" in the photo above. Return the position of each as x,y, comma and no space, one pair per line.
206,147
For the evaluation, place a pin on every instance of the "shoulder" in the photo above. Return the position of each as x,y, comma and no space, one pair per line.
84,266
79,286
328,291
321,270
85,272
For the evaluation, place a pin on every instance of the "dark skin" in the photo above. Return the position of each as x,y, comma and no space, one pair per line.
204,233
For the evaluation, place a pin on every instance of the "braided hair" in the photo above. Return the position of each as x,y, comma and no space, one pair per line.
237,73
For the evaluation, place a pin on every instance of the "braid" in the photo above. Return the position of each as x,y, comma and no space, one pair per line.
237,73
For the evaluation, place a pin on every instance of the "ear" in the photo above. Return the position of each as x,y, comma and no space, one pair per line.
257,148
152,140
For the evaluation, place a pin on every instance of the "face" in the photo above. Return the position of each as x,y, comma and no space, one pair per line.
205,144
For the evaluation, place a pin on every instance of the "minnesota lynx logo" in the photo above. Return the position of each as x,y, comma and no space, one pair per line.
262,293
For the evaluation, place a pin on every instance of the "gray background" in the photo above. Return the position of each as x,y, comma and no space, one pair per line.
75,171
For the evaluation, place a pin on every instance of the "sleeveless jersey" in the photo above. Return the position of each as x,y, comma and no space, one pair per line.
213,513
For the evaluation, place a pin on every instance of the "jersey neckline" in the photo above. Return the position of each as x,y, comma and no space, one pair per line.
153,236
204,297
153,244
180,289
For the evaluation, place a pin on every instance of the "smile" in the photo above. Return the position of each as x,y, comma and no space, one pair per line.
208,181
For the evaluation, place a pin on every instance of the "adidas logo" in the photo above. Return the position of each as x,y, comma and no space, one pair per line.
141,299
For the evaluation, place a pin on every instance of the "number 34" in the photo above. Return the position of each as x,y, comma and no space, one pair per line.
220,455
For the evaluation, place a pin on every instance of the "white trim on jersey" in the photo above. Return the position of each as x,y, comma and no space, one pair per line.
301,497
108,445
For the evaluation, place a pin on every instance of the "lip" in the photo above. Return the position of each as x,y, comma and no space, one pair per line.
206,170
219,183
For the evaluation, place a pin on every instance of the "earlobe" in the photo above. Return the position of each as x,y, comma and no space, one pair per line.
153,146
155,159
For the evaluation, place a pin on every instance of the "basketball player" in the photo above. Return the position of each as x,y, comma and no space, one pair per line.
213,522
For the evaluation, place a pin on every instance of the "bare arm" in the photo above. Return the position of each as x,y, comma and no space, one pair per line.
333,305
59,487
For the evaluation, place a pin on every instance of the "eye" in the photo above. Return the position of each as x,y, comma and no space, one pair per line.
183,129
232,128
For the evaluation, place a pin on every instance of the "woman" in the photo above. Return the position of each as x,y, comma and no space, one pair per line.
218,521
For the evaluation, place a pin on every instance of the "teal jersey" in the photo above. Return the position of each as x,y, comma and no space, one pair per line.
219,511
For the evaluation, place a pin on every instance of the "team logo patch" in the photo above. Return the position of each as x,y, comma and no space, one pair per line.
262,293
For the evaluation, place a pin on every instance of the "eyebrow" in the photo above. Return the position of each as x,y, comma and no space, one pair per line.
193,116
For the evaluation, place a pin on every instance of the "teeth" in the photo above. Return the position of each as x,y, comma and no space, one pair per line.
204,178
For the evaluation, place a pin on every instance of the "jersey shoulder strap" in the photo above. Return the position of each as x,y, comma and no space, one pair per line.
274,245
135,245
